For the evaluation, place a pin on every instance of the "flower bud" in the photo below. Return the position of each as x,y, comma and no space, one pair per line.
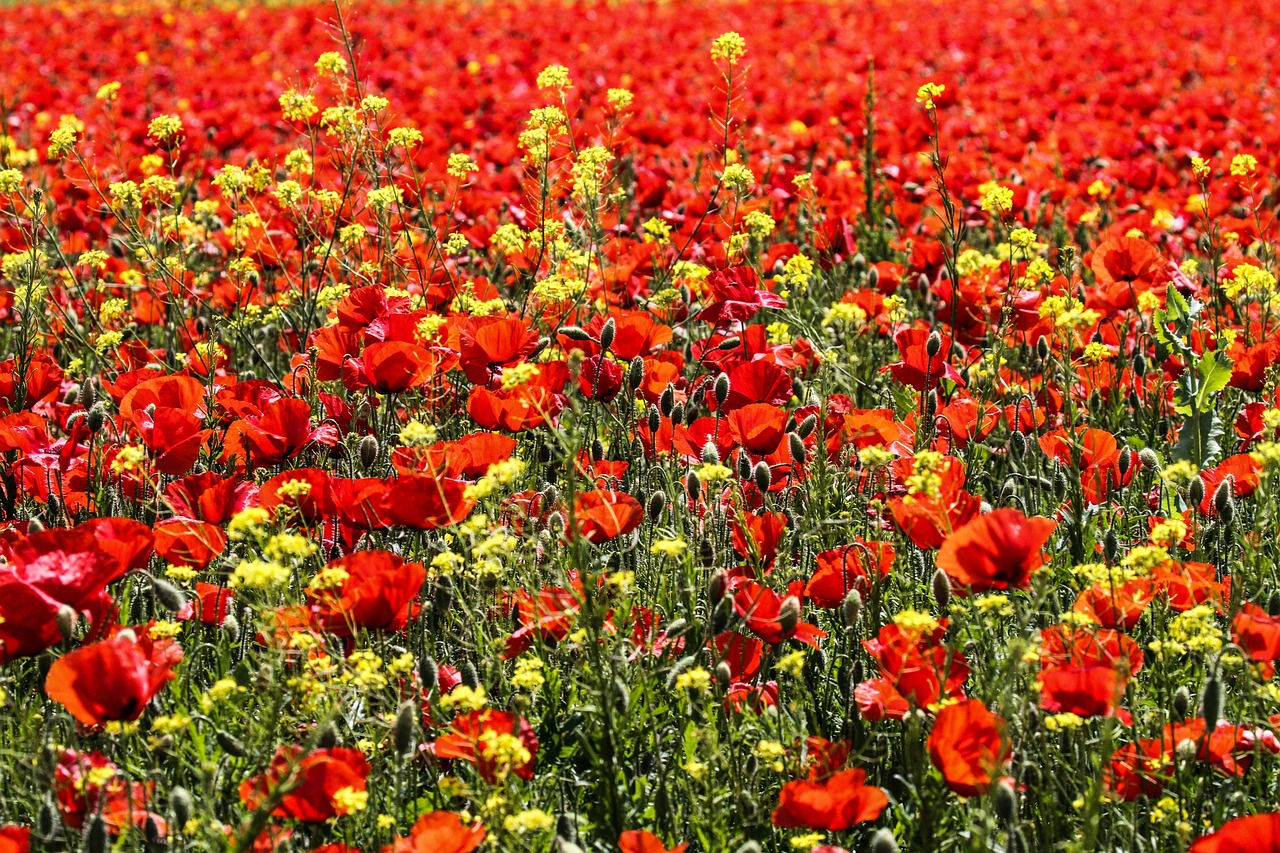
656,504
694,486
576,333
180,803
710,455
762,476
96,418
666,401
231,627
1181,703
405,727
883,842
1211,700
169,596
721,388
873,278
1195,491
635,373
230,744
1222,495
797,449
1005,801
66,620
95,835
368,451
717,585
724,676
851,608
933,345
607,333
1018,444
653,420
789,615
941,587
1149,459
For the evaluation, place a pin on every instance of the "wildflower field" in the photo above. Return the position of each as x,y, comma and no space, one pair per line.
584,426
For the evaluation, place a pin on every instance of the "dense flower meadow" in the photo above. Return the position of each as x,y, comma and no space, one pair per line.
638,426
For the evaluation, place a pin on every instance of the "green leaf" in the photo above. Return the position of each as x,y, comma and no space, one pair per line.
1198,438
1215,373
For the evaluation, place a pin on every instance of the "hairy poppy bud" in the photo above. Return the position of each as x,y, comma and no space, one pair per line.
666,401
607,332
858,263
744,467
95,835
797,449
789,614
1149,458
717,585
470,676
428,672
694,486
66,620
231,627
576,333
1273,604
798,389
47,820
1195,491
72,396
710,456
681,666
635,373
169,596
180,803
1111,546
1042,348
1181,703
1222,495
706,553
807,426
721,615
922,283
724,676
1139,365
933,345
96,418
1018,444
762,476
883,842
873,278
721,388
677,413
1005,801
653,420
564,845
88,394
729,343
656,504
1211,702
749,847
405,727
941,587
851,608
230,744
368,451
327,738
1125,461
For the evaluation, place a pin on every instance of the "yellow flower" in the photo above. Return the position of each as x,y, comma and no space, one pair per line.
729,47
1243,165
995,199
348,800
554,77
928,92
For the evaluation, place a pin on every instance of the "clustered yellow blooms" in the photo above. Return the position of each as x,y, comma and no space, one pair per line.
1250,280
729,47
995,199
928,92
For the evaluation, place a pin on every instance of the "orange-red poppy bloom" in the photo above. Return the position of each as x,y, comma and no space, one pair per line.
313,779
998,550
834,804
968,745
642,841
1258,833
114,679
439,832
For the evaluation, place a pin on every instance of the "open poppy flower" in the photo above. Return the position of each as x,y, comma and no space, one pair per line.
917,369
642,841
996,551
440,832
112,680
488,344
313,779
834,804
858,566
471,737
761,608
604,514
969,746
89,783
15,839
375,590
1258,833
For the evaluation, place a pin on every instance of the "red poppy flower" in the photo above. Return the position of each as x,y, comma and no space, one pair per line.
80,792
917,369
916,668
112,680
1257,632
735,297
998,550
282,431
187,542
968,745
1258,833
15,839
422,502
211,604
518,409
833,804
1086,691
641,841
547,615
761,608
858,566
377,593
312,780
467,736
390,367
439,832
488,344
605,514
758,427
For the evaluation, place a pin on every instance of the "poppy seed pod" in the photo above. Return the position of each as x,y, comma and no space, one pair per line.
722,388
762,476
635,373
883,842
607,332
368,451
576,333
